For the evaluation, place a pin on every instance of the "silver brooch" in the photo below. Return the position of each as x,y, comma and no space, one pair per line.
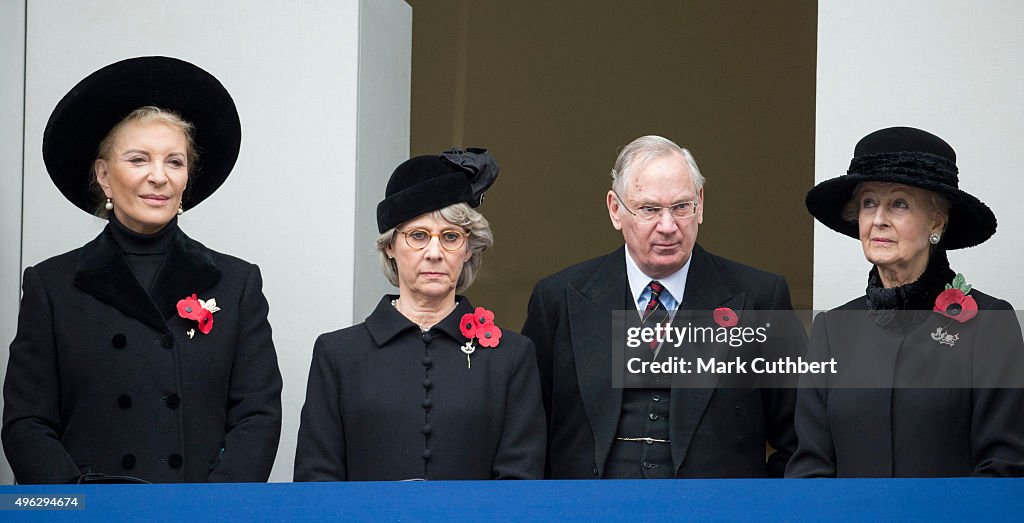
945,338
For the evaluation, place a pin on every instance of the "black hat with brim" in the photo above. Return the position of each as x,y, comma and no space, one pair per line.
432,182
911,157
92,108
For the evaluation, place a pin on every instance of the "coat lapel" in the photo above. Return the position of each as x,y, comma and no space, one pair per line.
103,273
590,313
706,290
189,269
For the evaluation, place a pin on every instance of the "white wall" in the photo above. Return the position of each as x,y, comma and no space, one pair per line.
291,203
950,67
382,136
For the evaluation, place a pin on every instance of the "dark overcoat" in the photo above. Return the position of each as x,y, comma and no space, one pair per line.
905,405
386,401
714,432
103,378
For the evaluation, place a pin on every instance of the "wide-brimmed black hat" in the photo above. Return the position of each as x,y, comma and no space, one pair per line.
431,182
99,102
911,157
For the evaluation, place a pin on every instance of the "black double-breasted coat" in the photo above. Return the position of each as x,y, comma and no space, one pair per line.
714,431
104,378
906,405
386,401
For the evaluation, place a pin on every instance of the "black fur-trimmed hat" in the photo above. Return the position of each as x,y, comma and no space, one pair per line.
95,105
431,182
910,157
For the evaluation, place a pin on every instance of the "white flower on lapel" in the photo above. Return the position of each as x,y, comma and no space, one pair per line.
210,305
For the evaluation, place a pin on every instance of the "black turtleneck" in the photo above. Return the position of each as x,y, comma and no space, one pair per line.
918,295
145,252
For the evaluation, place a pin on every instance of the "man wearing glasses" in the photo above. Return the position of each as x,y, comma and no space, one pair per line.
600,429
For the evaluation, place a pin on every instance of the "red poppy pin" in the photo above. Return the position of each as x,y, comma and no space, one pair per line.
193,308
479,325
955,303
726,317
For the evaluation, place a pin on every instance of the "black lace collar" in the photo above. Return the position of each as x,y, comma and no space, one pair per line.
918,295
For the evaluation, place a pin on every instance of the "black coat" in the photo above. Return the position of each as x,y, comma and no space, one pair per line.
387,402
920,417
103,378
713,432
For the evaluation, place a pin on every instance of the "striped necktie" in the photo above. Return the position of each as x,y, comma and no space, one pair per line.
655,312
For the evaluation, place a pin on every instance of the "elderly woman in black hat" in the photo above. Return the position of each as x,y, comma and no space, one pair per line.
929,369
142,356
428,387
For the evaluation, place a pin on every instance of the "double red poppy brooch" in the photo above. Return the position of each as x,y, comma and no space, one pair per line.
201,311
954,303
479,326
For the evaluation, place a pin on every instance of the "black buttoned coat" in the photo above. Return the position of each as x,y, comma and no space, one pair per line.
103,378
386,401
905,405
715,431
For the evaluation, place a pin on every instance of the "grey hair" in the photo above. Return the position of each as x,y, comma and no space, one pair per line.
646,148
460,214
148,113
938,202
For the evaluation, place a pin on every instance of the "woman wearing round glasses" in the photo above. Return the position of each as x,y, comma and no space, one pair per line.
428,387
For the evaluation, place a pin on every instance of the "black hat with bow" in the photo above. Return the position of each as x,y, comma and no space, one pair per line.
431,182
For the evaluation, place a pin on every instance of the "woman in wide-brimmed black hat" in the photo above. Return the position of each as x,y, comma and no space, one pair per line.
428,387
929,371
144,355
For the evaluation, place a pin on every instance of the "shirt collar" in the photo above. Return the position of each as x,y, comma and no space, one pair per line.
674,283
385,322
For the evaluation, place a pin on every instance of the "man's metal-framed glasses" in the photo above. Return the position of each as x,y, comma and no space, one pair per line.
450,240
652,213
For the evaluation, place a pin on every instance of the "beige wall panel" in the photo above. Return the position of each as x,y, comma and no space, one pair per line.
554,89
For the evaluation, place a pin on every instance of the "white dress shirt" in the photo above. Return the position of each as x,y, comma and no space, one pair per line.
674,284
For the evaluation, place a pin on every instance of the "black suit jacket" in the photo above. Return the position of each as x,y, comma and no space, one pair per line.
714,432
103,378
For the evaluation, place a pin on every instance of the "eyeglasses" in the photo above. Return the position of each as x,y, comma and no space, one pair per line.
651,213
450,240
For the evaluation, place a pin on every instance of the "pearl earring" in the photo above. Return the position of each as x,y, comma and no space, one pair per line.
109,205
180,211
934,238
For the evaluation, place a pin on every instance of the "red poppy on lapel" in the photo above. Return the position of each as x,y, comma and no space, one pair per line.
468,325
201,311
725,317
489,335
953,303
479,325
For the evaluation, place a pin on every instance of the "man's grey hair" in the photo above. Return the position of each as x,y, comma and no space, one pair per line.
644,149
461,215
